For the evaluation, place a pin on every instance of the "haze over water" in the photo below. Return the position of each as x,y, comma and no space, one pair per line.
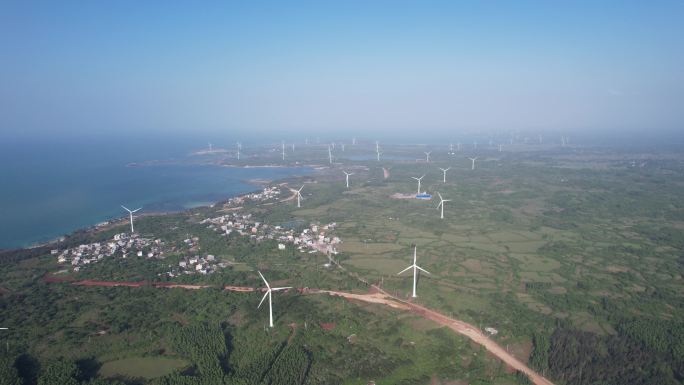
50,189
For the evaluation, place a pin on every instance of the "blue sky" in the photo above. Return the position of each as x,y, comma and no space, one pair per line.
360,66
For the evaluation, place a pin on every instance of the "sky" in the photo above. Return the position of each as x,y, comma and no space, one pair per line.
292,67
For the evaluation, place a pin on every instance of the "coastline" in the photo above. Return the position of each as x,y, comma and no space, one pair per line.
108,224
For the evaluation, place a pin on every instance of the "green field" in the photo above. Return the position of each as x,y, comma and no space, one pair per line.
567,253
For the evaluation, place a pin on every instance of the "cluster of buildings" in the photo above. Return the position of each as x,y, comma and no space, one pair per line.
196,265
315,238
123,244
271,192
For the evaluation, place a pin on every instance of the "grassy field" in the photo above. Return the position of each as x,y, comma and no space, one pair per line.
538,243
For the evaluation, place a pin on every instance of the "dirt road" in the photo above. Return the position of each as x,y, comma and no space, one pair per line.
464,328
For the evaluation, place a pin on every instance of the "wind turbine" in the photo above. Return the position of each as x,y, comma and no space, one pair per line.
269,290
299,195
415,272
210,147
131,215
500,147
427,156
377,146
444,170
473,160
354,141
342,144
329,155
239,147
293,145
347,176
283,145
378,154
441,203
418,179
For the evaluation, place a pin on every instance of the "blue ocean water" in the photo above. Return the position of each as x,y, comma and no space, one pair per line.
53,188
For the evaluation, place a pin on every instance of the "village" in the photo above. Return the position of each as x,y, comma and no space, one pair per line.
312,239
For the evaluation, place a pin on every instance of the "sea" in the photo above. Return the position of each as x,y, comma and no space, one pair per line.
50,188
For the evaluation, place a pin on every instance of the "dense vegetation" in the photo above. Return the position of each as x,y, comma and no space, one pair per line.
575,260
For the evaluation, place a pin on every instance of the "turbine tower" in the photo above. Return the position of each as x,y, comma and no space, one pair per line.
210,147
444,170
329,154
347,176
269,290
418,179
377,146
441,203
283,146
427,156
415,268
130,213
239,147
354,141
378,154
299,195
473,165
500,147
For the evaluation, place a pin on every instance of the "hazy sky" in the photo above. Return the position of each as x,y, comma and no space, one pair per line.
144,66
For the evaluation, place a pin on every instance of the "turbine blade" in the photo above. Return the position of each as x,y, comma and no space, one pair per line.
264,279
440,203
136,210
406,269
264,297
126,208
423,270
281,288
440,196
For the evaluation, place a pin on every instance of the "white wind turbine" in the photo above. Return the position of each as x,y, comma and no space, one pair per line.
377,146
239,147
415,267
473,165
269,290
418,179
378,155
427,156
210,147
283,145
347,176
441,203
299,195
329,154
444,170
130,213
500,147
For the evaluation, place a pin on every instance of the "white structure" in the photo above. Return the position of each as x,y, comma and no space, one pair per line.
347,176
444,170
269,290
354,141
418,179
415,268
378,154
377,146
427,156
473,165
329,154
130,213
441,203
500,147
239,147
299,195
283,146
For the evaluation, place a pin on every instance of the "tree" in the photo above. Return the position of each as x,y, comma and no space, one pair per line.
59,372
8,373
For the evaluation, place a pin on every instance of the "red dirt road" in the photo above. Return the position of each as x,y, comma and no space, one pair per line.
464,328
